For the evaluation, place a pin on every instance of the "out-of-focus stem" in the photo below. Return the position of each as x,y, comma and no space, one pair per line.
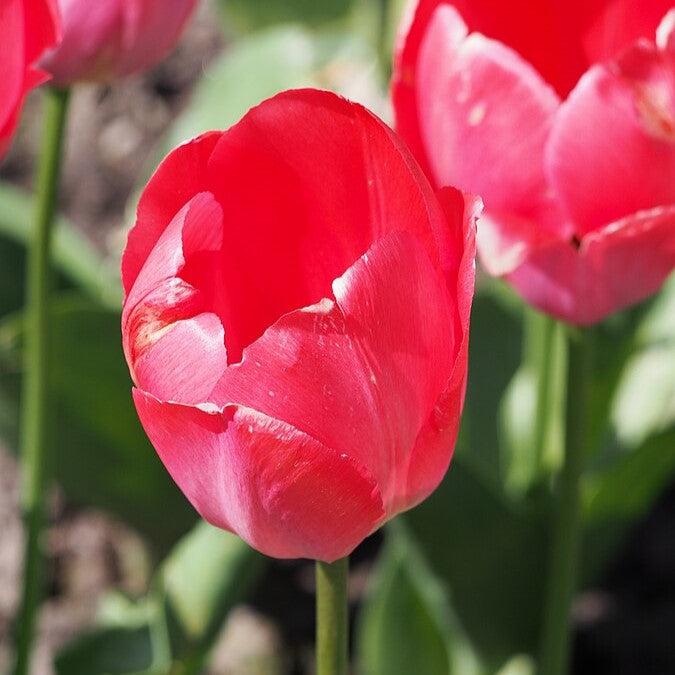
383,55
332,626
566,530
35,411
541,343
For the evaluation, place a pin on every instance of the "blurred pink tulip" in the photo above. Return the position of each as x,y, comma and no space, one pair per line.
27,28
579,191
107,39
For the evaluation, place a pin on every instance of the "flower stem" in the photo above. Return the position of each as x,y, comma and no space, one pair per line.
332,627
541,341
35,413
566,534
383,55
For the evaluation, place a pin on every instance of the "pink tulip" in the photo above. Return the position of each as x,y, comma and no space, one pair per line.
296,324
107,39
561,115
27,28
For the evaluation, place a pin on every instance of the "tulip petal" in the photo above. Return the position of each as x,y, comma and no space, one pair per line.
177,180
185,363
92,34
435,442
334,179
174,348
27,29
560,38
614,25
615,137
615,267
281,490
43,18
484,117
505,241
375,187
162,20
362,373
665,33
107,40
12,59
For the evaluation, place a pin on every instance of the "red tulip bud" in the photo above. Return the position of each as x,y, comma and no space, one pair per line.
296,324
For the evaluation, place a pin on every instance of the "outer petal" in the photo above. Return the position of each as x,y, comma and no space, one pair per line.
612,149
281,490
430,458
92,34
505,241
614,268
178,179
362,374
45,27
12,61
483,116
174,347
151,29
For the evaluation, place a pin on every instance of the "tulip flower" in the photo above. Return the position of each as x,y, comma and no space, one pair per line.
104,40
27,28
562,117
296,324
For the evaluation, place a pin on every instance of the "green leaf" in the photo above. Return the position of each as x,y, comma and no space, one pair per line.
491,555
405,625
495,355
518,665
203,577
250,14
400,634
645,399
206,574
626,490
131,638
107,651
102,456
616,497
74,258
487,549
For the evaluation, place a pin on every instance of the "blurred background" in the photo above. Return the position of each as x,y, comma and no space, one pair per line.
136,585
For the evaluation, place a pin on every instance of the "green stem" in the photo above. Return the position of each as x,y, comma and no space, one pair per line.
35,413
332,625
382,38
540,331
566,535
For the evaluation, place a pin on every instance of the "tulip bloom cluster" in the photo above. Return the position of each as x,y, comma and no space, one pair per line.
564,122
296,324
27,29
105,40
